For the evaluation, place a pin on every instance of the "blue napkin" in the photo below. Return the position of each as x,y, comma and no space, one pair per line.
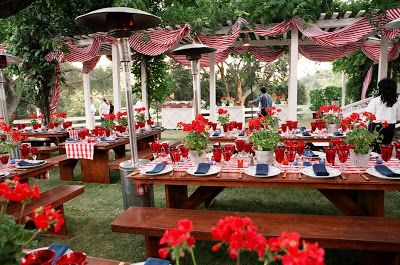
216,133
337,134
153,261
203,168
157,168
104,139
262,170
307,164
71,140
60,249
320,170
309,153
305,133
384,170
24,163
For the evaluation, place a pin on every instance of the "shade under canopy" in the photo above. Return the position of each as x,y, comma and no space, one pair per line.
8,59
394,24
11,7
117,19
192,51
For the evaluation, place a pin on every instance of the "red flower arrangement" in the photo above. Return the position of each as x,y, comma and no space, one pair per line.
223,116
67,124
196,137
108,121
35,119
57,118
12,140
122,118
140,114
332,114
240,234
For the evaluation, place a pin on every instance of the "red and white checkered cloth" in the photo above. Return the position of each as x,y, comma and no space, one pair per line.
73,133
80,150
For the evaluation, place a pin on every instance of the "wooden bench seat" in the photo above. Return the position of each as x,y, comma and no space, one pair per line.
45,151
56,196
66,166
142,154
343,232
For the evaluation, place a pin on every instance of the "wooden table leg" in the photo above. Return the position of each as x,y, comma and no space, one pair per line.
372,202
152,246
344,201
175,196
67,169
120,151
96,170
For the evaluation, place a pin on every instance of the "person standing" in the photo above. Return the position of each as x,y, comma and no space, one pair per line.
111,106
386,109
263,101
104,109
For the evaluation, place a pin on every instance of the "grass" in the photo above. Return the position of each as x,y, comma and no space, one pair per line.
89,217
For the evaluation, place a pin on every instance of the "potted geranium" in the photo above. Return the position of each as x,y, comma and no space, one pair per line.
108,123
241,235
196,138
36,120
332,115
57,118
223,118
13,138
264,138
14,238
140,117
359,137
122,121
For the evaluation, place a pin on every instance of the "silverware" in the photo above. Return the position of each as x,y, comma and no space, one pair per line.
343,177
240,175
172,172
184,174
219,174
299,176
284,175
135,173
364,177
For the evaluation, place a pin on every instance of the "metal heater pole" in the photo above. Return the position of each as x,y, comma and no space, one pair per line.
195,72
3,106
125,52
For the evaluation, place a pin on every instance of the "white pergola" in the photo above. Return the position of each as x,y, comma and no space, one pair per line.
292,39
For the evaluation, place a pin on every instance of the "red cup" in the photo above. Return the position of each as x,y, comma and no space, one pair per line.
230,147
330,154
386,151
239,125
313,126
78,258
284,127
4,159
279,153
34,151
225,127
227,154
300,147
217,154
184,151
39,257
247,147
239,145
291,152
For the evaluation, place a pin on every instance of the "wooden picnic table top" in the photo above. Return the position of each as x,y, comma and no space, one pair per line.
47,134
24,174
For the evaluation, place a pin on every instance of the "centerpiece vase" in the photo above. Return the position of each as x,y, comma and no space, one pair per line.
333,127
265,157
196,158
361,160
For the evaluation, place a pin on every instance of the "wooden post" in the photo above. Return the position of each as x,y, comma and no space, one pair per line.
116,78
86,95
383,59
213,93
292,91
143,78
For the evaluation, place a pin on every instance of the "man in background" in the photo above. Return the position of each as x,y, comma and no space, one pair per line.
104,109
263,101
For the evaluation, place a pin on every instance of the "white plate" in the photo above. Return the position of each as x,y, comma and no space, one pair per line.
302,136
374,155
167,169
32,166
218,136
213,170
318,153
333,172
373,172
272,171
334,136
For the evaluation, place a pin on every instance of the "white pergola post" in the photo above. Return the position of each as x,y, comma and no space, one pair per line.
383,59
116,80
343,89
143,78
292,91
86,95
198,86
213,93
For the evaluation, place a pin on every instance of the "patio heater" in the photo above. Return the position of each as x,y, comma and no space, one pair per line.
394,24
193,54
5,60
121,23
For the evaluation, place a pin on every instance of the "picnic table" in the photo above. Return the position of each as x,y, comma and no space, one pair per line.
25,174
96,169
352,193
55,137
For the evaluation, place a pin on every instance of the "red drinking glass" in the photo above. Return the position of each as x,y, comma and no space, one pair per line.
239,125
4,159
313,126
397,147
155,147
184,151
300,147
239,145
176,154
343,156
291,153
225,127
284,127
290,125
294,124
227,154
24,148
217,153
232,125
279,153
386,151
330,154
34,152
343,147
336,142
165,147
230,147
214,126
39,257
247,147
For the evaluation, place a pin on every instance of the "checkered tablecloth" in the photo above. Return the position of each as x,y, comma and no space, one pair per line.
80,150
73,133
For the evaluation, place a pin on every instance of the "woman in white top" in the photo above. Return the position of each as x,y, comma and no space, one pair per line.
386,109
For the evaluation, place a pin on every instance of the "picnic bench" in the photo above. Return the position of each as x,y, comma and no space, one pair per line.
377,234
56,196
65,165
44,152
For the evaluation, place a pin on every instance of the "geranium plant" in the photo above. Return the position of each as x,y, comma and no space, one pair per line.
196,135
13,236
332,114
108,121
122,118
240,235
360,138
140,114
227,100
223,116
12,139
36,120
58,118
262,133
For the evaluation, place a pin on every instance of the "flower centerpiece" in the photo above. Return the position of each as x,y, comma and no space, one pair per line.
14,238
264,137
332,115
108,122
13,138
240,235
278,98
57,118
359,137
196,137
223,118
225,101
140,117
122,121
36,120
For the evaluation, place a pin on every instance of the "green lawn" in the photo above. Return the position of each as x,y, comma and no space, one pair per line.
89,217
